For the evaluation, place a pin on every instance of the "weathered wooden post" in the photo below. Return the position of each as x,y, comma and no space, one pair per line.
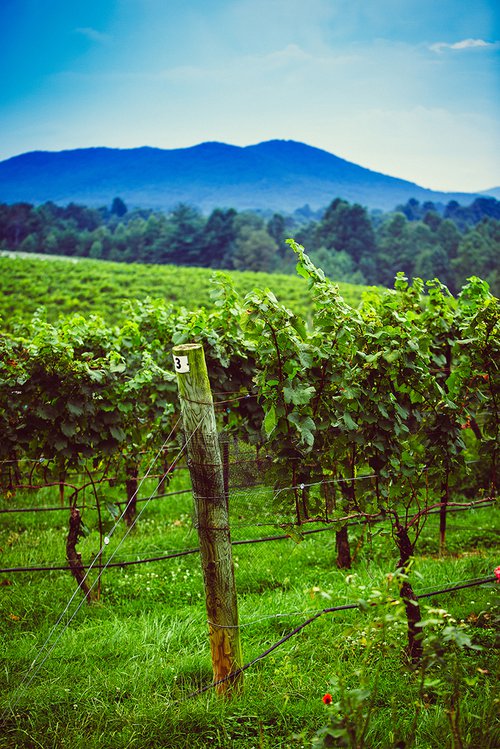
212,517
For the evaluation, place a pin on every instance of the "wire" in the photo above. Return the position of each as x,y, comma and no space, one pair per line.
470,584
173,555
241,542
331,610
78,507
37,663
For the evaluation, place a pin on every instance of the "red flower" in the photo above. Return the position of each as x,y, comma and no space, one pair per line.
497,573
328,699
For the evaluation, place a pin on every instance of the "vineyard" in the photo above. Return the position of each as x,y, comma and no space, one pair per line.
79,285
358,443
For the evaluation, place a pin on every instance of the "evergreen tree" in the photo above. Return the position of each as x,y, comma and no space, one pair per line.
118,208
346,228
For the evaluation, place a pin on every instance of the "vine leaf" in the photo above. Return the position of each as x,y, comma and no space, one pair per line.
299,396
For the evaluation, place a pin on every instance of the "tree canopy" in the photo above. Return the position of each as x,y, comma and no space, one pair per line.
450,242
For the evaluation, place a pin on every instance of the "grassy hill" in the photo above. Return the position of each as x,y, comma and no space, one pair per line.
68,285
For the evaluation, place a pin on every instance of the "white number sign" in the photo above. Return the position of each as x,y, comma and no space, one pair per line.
181,364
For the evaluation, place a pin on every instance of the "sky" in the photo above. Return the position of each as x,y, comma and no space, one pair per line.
404,87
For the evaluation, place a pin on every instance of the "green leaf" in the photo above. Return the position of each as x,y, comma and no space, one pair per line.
270,421
293,533
349,421
305,426
125,407
117,367
96,375
300,327
46,411
68,428
372,357
75,407
382,410
83,531
298,396
117,433
402,411
391,356
301,270
432,683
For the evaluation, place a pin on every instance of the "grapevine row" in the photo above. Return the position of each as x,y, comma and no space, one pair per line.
410,378
405,388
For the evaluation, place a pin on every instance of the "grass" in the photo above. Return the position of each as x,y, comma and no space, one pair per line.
121,673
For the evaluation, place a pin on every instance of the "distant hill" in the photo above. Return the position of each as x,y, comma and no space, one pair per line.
279,175
493,193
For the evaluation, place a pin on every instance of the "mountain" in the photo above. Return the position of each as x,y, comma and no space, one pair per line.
493,193
278,174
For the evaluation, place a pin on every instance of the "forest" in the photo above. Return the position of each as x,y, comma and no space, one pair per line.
349,243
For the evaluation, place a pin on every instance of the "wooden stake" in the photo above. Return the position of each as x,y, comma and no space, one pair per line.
212,517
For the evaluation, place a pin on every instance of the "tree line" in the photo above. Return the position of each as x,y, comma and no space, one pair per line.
450,242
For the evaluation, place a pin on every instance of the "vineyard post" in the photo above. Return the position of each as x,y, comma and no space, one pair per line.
212,517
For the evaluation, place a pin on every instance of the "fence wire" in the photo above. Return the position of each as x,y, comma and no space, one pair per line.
280,523
276,509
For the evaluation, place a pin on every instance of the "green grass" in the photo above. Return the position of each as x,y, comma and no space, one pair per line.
121,674
65,286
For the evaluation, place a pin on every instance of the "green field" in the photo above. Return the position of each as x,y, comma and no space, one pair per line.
121,673
65,286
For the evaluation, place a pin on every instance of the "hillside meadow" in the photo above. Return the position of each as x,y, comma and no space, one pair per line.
68,285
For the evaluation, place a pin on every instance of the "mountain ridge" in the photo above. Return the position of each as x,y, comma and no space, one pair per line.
281,175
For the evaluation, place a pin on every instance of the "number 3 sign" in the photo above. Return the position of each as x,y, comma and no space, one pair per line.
181,364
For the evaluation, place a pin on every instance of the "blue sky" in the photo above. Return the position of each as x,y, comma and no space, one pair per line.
408,88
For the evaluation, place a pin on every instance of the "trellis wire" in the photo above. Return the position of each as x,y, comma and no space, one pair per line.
65,508
265,539
77,489
294,487
330,610
25,683
37,664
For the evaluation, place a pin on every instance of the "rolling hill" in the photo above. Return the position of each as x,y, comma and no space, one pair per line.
278,175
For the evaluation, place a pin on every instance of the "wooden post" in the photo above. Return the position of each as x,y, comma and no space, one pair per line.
212,517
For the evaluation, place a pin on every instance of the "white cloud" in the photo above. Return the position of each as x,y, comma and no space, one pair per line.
290,54
93,35
260,70
464,44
